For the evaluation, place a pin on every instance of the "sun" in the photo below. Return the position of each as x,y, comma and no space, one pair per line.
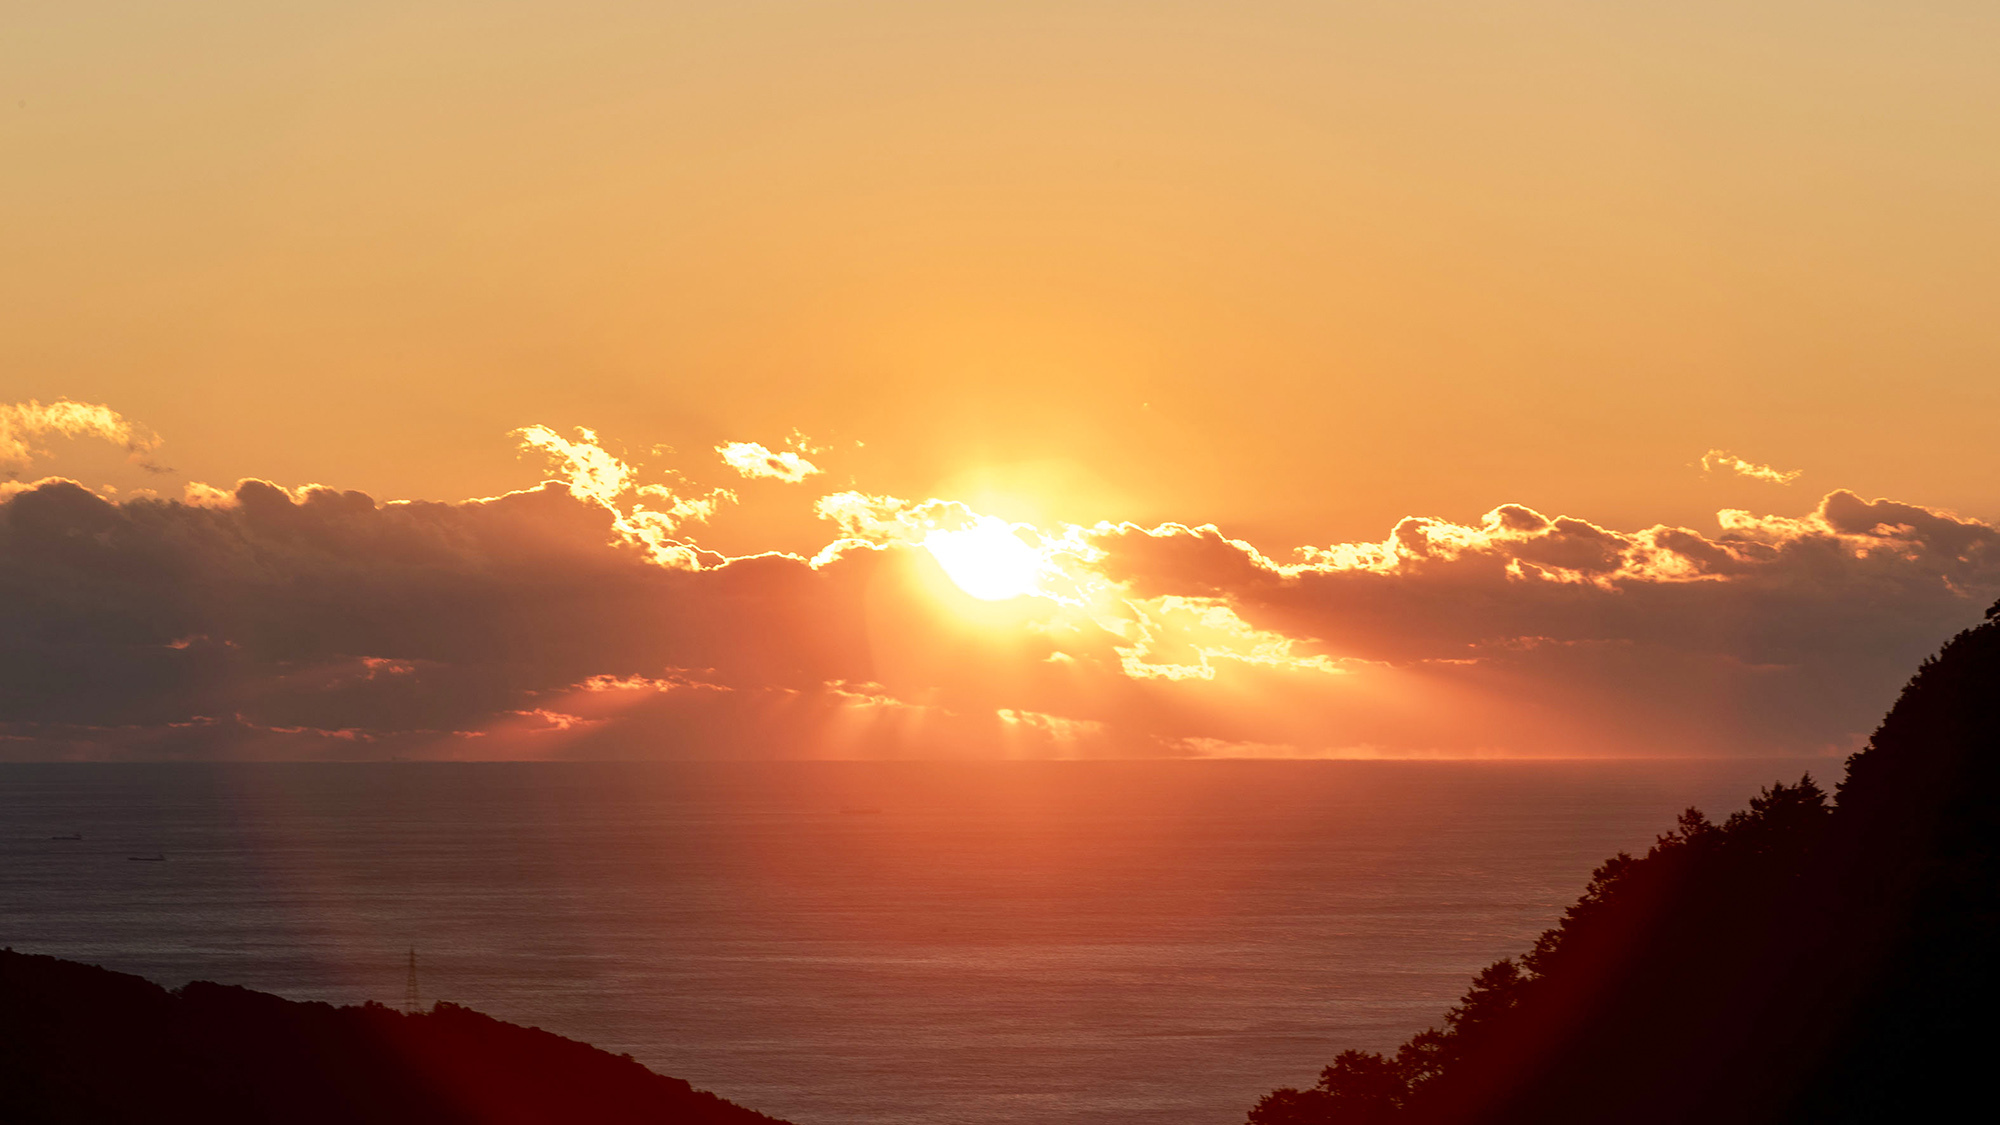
987,559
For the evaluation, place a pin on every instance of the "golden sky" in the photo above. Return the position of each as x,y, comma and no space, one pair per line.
1302,271
1299,268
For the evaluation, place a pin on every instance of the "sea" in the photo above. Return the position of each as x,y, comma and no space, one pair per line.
962,943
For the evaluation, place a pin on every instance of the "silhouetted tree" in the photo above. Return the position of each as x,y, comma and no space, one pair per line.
1359,1088
1801,961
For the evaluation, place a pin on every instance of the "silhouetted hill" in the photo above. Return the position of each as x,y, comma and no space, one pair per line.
81,1045
1803,961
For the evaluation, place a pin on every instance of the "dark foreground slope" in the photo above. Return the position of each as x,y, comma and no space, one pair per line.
83,1045
1806,960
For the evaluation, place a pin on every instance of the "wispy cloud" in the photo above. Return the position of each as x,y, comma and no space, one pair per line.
593,473
23,422
1716,460
756,462
652,519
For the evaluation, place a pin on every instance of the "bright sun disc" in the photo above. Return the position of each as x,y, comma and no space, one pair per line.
986,560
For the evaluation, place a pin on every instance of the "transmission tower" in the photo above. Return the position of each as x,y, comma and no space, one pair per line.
412,1002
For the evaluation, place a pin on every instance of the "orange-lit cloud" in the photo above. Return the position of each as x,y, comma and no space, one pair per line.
22,423
593,473
584,618
1716,460
756,462
652,519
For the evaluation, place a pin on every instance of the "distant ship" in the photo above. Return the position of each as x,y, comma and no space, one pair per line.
71,836
156,857
861,812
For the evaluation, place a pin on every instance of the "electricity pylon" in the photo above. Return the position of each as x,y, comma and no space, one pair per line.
412,1003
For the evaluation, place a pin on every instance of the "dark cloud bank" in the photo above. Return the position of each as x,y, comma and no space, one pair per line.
328,625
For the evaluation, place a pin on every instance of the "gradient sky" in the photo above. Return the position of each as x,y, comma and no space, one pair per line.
1299,270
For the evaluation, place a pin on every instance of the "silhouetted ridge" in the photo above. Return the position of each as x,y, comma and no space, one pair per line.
84,1045
1799,962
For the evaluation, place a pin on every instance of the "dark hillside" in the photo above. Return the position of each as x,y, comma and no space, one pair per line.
84,1045
1919,880
1804,960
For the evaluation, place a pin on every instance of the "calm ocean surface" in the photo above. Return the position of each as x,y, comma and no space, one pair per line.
1025,942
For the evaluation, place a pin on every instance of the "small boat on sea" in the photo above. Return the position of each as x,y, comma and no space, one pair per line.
156,857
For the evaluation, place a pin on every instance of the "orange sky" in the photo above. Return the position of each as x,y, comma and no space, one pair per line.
1299,270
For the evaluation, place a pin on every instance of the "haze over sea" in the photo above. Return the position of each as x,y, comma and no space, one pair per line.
847,942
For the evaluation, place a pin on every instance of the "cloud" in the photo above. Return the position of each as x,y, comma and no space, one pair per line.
886,519
756,462
1716,460
127,627
1787,633
23,422
653,520
593,474
581,618
1172,637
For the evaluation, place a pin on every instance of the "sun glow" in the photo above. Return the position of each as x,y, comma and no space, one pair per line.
987,559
